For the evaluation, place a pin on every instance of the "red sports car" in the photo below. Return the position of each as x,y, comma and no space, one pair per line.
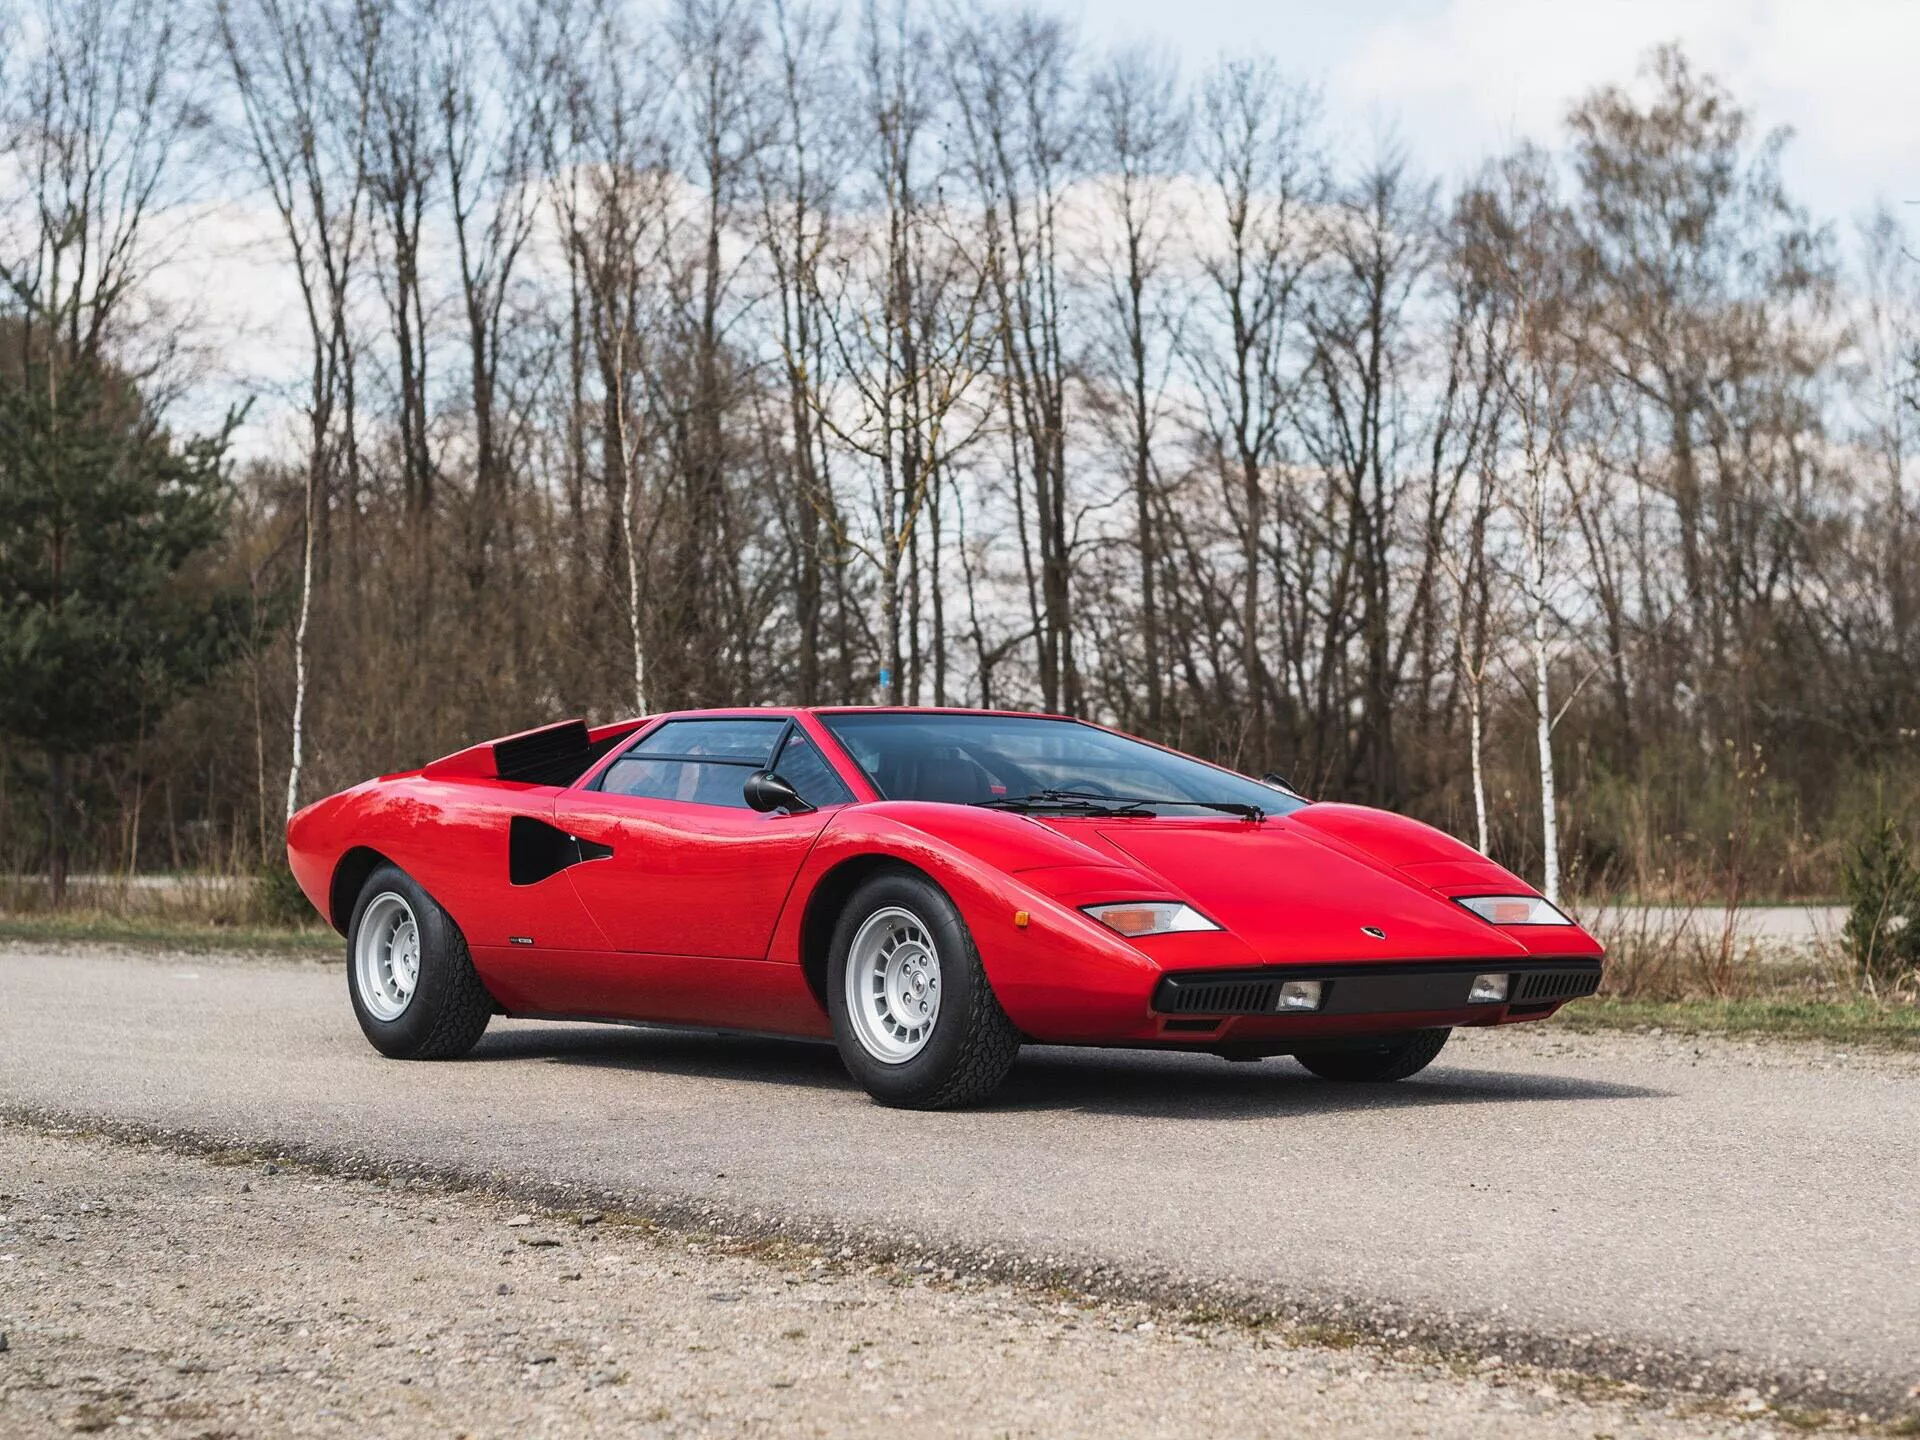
927,888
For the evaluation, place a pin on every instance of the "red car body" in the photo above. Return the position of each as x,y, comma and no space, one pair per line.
694,914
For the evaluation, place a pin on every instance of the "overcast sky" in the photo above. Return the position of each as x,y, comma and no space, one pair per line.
1460,78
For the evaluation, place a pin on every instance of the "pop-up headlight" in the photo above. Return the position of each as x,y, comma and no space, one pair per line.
1513,909
1135,918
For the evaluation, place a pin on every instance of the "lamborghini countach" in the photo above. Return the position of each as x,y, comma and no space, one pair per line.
928,889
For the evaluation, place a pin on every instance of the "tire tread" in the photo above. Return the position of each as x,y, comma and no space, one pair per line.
991,1048
1379,1064
982,1042
446,1023
467,1006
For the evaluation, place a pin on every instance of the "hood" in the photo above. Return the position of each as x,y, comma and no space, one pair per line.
1291,895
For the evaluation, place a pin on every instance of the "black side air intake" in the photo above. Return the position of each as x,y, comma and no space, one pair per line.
536,850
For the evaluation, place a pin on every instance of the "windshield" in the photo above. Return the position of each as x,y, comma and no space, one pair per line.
1022,761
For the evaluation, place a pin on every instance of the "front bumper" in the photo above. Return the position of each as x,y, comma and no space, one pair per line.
1534,987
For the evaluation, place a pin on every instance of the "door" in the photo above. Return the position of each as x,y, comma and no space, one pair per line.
694,872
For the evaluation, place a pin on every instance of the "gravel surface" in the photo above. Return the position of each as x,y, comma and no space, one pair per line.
152,1294
1687,1213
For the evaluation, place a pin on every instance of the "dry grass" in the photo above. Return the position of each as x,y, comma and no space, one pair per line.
1854,1021
174,912
1689,968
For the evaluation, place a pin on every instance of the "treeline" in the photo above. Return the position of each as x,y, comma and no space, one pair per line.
743,350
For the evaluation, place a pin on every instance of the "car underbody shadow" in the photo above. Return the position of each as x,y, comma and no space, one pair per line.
1102,1081
667,1049
1134,1082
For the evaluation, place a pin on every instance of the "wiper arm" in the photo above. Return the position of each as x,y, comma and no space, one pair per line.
1135,802
1120,804
1065,800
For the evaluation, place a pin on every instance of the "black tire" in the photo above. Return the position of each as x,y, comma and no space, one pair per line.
449,1006
1392,1057
972,1044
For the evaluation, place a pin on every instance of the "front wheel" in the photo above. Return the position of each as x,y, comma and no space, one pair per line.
1392,1057
411,980
916,1022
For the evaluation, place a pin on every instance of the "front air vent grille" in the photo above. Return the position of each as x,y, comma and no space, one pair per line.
1556,985
1412,987
1221,997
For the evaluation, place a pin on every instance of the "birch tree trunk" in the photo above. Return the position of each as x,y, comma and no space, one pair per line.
297,757
1543,730
1476,704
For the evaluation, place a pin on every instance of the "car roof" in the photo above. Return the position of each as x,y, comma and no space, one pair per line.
936,710
776,712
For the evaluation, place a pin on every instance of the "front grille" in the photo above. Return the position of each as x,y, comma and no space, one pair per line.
1410,987
1220,997
1555,985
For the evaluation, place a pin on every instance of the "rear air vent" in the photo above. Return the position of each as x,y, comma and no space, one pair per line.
1556,985
556,755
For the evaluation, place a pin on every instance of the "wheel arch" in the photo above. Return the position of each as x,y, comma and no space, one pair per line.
829,897
349,877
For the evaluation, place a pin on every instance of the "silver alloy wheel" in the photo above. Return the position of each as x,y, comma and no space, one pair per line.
893,985
386,956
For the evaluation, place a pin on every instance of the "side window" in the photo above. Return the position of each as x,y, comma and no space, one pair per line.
746,741
702,762
802,766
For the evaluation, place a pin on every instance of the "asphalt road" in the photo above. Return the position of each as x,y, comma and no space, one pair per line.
1770,930
1695,1208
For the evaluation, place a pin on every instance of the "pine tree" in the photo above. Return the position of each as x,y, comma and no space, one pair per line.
107,613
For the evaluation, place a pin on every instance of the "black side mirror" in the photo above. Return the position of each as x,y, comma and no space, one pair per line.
766,791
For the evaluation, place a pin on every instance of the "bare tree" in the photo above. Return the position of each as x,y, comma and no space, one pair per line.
304,78
904,327
1540,480
1138,138
96,123
1013,80
800,175
610,188
487,80
1264,178
1361,432
1701,283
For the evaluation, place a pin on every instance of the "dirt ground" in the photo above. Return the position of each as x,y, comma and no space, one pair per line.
151,1293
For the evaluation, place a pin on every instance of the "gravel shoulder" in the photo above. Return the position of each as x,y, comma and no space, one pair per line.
166,1295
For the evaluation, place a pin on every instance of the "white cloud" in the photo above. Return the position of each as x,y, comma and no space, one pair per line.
1465,76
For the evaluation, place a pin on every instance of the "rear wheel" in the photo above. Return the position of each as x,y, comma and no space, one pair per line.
411,980
916,1022
1391,1057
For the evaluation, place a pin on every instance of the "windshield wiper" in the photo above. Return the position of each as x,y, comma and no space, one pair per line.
1115,804
1065,800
